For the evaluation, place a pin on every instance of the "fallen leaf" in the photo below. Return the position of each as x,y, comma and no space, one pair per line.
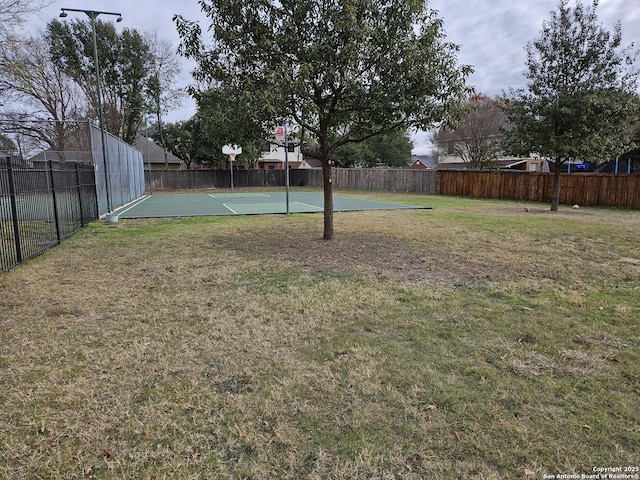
109,452
458,435
586,426
432,407
528,472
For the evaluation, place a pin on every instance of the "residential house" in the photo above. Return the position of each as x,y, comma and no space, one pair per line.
424,162
41,159
155,157
448,160
152,154
522,164
274,157
503,163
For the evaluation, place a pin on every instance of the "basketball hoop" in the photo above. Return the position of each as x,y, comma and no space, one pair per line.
232,151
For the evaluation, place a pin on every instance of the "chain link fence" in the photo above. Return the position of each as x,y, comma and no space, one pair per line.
119,171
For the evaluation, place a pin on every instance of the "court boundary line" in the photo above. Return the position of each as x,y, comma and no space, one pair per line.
230,209
315,208
240,195
319,209
131,205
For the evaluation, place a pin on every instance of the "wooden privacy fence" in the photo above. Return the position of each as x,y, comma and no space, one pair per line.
581,188
392,180
195,179
575,188
389,180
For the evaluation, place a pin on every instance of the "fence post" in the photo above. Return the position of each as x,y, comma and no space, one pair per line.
79,193
53,196
14,211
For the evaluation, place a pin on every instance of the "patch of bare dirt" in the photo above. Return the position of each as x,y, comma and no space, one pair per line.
388,258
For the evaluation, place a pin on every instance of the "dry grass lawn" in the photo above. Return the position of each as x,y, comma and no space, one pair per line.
474,340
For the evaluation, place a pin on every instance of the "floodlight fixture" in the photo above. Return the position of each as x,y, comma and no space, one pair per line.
92,14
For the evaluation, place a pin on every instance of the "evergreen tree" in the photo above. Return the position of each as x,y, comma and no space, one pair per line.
581,96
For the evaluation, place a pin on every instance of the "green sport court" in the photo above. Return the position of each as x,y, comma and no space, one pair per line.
201,204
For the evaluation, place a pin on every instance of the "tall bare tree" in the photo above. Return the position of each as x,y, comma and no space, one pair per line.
476,139
13,14
30,79
161,91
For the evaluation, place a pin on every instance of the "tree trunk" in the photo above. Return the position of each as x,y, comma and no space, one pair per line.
161,134
555,196
327,176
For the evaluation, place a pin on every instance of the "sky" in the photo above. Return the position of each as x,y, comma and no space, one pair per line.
492,34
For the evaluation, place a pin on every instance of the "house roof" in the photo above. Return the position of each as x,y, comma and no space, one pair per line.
503,162
151,153
154,153
428,161
53,156
314,162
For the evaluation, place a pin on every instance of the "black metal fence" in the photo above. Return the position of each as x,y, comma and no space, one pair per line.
42,205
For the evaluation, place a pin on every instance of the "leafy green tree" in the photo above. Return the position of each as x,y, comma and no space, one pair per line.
125,66
178,138
580,99
226,116
342,70
391,149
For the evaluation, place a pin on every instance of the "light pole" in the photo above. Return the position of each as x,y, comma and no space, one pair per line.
93,14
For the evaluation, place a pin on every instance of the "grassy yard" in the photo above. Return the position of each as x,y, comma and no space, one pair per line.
474,340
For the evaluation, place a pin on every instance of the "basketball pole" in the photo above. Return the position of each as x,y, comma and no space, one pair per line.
286,166
232,151
231,168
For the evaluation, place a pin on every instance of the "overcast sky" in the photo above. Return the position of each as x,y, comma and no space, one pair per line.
492,34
